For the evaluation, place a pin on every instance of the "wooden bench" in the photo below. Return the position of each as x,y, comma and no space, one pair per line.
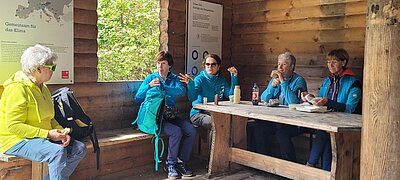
121,149
39,170
229,140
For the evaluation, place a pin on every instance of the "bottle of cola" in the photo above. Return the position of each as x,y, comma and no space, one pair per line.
255,94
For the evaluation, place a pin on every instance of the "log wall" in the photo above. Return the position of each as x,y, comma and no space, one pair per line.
262,29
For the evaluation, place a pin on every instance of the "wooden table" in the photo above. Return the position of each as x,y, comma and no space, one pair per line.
229,140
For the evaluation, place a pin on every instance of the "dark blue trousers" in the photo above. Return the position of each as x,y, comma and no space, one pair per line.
321,147
181,137
261,130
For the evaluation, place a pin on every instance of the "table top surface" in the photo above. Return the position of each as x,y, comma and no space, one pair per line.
329,121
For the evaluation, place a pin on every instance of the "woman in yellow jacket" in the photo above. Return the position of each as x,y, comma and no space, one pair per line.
27,125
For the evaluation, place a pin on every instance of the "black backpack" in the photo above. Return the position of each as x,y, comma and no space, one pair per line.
69,113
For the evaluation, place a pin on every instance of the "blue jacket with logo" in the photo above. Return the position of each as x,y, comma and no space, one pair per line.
206,85
343,92
173,87
288,92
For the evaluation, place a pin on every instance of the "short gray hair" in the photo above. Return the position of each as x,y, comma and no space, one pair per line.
288,57
36,56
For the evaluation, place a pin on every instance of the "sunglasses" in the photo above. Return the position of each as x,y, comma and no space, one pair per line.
51,67
211,64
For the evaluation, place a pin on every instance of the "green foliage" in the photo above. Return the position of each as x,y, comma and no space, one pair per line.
128,38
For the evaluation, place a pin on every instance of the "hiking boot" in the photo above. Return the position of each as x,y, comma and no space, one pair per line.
180,167
172,173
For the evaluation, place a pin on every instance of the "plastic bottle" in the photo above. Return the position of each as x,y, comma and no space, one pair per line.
255,94
236,95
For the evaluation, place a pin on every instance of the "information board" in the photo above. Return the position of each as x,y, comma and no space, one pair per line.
24,23
204,33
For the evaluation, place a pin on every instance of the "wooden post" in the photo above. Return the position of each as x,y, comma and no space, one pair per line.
380,146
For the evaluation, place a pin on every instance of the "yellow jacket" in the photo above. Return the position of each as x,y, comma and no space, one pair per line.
26,111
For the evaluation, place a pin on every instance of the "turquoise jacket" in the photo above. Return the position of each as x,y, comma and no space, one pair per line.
288,92
206,85
347,93
173,88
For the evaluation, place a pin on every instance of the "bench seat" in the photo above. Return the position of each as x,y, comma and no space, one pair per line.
121,149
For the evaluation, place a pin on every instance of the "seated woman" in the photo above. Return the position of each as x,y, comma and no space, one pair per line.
207,84
27,125
176,129
341,92
286,86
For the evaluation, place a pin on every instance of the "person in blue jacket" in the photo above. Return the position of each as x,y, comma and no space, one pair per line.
207,84
285,86
181,133
341,92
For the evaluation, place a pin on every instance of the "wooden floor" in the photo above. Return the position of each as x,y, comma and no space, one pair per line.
199,168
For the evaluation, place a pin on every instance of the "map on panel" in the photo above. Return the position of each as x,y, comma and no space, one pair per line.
48,9
24,23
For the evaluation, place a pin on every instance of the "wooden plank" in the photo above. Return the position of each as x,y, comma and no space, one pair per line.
309,36
332,121
86,4
83,16
355,60
85,60
85,46
85,31
300,25
346,155
295,14
306,48
262,5
85,74
277,166
219,157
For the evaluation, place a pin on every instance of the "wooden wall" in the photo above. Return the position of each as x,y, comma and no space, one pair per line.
254,33
262,29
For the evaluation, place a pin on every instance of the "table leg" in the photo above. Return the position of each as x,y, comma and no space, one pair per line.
345,155
238,132
220,155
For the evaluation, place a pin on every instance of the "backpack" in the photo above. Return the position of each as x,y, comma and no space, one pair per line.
69,113
149,118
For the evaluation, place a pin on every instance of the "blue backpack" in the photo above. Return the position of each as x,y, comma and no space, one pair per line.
149,118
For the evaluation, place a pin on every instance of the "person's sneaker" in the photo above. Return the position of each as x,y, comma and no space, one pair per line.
180,167
172,173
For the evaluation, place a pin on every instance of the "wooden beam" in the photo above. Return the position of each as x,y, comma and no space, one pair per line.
380,157
277,166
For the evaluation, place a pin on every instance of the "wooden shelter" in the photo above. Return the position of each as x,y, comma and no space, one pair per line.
254,33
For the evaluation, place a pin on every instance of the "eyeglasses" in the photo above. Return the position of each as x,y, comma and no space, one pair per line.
211,64
332,61
51,67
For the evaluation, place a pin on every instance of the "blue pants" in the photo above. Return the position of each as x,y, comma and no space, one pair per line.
283,133
62,161
321,147
177,130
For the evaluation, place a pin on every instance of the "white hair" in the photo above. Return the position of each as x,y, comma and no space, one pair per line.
36,56
288,57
